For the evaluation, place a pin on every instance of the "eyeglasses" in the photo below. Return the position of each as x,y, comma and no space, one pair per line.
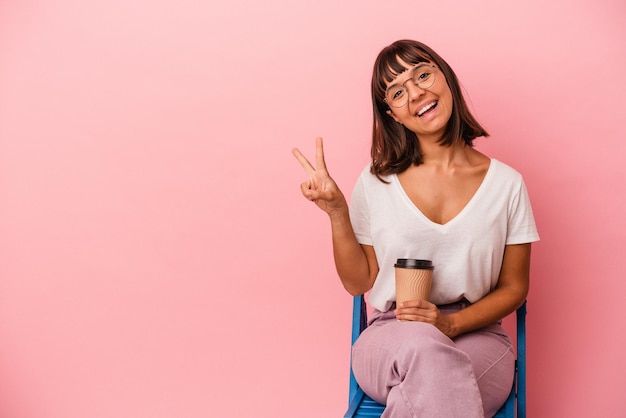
423,77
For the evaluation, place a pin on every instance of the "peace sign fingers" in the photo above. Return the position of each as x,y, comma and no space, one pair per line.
320,188
319,158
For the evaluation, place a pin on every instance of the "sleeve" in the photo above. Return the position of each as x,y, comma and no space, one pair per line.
521,223
359,213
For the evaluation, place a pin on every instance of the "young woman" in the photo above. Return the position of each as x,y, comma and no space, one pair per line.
429,194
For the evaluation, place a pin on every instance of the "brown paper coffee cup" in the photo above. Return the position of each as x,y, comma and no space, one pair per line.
413,279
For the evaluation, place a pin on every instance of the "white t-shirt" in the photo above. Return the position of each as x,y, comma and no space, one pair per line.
467,251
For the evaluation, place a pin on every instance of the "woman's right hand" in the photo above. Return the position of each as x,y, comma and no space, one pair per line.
356,265
320,188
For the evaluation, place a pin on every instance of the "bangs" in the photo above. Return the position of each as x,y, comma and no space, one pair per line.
390,64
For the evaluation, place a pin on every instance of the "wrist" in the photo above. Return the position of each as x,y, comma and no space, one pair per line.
339,215
453,325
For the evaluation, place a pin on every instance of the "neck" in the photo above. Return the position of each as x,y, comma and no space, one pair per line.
445,156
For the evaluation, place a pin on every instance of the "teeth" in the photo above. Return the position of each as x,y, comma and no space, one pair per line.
426,108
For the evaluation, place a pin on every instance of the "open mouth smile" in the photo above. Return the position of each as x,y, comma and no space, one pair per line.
426,108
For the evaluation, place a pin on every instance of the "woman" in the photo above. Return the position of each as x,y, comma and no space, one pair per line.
429,194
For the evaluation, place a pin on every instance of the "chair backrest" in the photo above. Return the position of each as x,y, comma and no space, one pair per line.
359,323
521,360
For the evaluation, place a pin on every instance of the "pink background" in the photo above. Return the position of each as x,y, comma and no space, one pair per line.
156,257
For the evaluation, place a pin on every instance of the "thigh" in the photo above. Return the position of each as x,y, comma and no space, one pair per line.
493,360
388,350
415,370
486,347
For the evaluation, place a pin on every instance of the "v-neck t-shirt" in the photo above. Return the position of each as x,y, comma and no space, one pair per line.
467,251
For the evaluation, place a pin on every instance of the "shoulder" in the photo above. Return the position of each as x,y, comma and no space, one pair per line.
505,171
367,177
505,180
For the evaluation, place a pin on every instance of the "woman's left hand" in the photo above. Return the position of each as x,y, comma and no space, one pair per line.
424,311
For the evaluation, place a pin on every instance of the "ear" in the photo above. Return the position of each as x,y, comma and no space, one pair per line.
390,113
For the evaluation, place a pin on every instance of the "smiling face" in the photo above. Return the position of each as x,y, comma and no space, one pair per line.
427,110
435,112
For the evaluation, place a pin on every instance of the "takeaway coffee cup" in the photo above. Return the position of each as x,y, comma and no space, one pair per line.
413,279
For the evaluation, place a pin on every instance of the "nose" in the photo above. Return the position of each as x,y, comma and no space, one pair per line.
414,91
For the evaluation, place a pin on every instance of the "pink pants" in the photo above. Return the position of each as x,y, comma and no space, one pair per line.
417,371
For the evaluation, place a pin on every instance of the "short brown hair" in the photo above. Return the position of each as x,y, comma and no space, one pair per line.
394,147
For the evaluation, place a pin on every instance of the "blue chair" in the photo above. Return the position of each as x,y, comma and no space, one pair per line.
362,406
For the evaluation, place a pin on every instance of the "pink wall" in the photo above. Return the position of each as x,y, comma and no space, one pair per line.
156,258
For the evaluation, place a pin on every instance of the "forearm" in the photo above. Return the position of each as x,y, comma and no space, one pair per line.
510,293
355,265
493,307
350,259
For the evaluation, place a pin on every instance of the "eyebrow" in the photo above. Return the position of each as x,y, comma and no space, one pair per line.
418,65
